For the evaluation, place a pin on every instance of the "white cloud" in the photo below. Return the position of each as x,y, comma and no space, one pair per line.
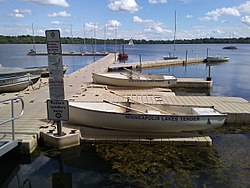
155,28
56,23
215,14
152,26
246,20
59,14
232,11
157,1
189,16
139,20
20,13
90,26
113,25
245,8
123,5
62,3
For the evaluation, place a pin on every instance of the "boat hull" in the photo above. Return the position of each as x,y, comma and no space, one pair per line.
134,82
44,72
217,59
114,118
170,57
14,83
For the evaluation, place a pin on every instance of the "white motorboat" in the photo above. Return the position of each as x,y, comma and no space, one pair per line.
133,79
138,117
217,58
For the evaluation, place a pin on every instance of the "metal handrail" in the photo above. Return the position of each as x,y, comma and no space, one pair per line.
13,117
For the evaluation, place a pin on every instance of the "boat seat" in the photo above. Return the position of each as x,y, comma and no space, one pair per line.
156,112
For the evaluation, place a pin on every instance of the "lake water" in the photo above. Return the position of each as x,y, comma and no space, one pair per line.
225,164
229,79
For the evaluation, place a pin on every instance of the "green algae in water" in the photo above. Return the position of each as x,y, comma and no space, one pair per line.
160,165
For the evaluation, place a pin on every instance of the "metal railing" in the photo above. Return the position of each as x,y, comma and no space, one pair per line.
13,117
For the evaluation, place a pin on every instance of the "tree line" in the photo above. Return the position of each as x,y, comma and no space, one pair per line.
28,39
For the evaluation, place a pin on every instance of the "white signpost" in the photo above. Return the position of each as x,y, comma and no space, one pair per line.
57,107
58,110
53,42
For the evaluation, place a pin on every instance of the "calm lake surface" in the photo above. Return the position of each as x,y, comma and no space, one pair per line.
225,164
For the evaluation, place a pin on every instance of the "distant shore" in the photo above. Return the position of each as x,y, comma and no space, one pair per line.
28,39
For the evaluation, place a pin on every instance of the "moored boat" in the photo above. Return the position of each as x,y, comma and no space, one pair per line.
122,56
217,58
231,47
172,56
14,79
133,79
45,71
138,117
14,83
169,57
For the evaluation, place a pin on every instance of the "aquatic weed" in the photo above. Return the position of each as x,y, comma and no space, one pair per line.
158,165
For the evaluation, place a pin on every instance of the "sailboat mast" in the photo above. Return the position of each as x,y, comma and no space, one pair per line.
33,38
84,35
174,32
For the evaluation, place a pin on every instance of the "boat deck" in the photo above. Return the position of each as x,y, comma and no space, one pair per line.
155,64
79,87
71,54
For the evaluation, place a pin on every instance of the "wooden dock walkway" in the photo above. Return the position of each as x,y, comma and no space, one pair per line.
157,64
79,87
71,54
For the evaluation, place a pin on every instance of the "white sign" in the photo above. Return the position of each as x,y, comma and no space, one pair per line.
56,88
58,110
55,66
53,42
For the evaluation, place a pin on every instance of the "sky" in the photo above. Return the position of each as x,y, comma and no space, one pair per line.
137,19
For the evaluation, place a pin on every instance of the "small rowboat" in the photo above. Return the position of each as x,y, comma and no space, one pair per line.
45,70
132,79
14,83
217,58
15,79
139,117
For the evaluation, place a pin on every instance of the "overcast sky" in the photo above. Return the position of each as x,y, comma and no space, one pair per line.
139,19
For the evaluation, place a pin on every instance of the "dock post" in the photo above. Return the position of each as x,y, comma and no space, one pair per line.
209,78
186,56
207,51
140,61
59,128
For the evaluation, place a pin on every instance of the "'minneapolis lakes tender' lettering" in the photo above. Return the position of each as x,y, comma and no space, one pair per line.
163,118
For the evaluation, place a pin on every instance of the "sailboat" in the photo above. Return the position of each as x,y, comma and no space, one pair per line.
33,50
172,56
131,42
230,47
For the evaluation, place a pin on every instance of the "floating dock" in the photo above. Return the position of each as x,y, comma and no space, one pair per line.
193,83
33,125
155,64
71,54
